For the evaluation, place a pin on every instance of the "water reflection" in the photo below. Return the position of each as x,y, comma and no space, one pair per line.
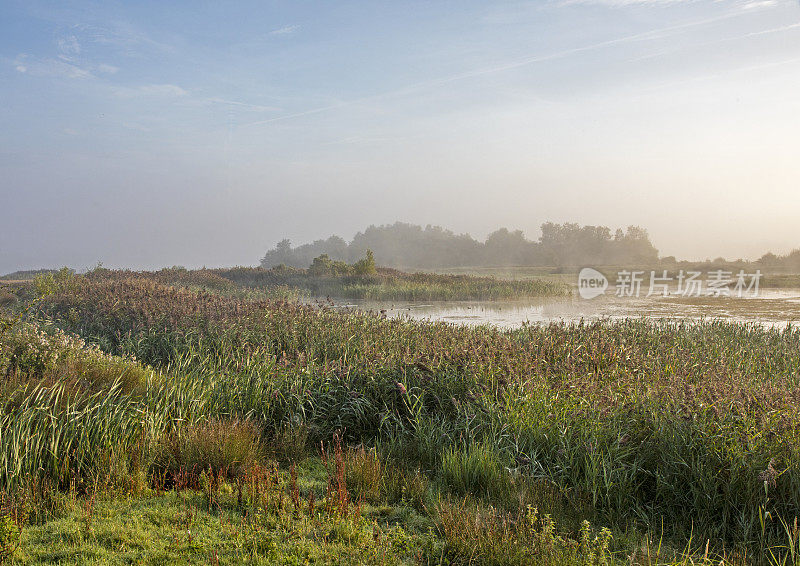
771,308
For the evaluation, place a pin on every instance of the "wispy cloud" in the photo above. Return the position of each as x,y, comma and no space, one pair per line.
59,67
49,67
124,38
518,63
68,46
740,4
164,90
244,105
109,69
285,30
744,5
739,37
759,4
65,62
623,3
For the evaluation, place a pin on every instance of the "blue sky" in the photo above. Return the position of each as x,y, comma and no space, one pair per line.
150,134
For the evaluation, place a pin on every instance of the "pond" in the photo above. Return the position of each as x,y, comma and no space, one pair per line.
777,307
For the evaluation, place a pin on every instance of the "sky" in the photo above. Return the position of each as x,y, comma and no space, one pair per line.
151,134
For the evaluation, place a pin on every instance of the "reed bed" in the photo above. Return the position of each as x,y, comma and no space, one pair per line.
687,430
392,285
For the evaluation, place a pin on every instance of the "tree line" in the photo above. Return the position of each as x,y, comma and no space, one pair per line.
403,245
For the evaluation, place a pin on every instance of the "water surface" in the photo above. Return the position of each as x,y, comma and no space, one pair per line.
772,307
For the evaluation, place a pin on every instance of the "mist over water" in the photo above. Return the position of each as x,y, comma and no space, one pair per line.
772,308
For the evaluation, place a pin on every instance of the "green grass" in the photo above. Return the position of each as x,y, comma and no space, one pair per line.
178,527
281,283
390,284
475,470
685,433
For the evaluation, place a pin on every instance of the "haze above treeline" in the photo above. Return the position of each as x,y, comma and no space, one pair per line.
410,246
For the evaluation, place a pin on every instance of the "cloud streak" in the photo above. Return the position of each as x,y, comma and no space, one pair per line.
740,37
285,30
244,105
518,63
622,3
156,90
49,67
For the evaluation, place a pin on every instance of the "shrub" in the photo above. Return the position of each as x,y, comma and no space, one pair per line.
474,470
225,449
9,538
323,266
365,266
7,297
33,352
372,480
290,440
60,281
364,474
405,487
484,535
103,370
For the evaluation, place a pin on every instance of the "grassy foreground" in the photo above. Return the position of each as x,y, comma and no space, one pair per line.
266,525
288,434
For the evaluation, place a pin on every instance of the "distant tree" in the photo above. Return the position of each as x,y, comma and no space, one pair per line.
334,247
792,260
570,244
365,266
788,262
404,246
323,266
503,247
769,259
636,247
280,255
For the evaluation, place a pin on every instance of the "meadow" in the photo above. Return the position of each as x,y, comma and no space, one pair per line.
341,282
392,285
172,417
771,277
